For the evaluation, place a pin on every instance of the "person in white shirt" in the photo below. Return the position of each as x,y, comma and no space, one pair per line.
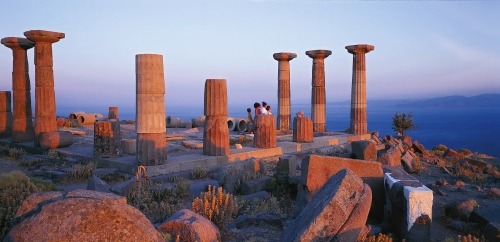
268,109
263,110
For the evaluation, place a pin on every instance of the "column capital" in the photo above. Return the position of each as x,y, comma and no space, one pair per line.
318,54
359,49
17,43
284,56
44,36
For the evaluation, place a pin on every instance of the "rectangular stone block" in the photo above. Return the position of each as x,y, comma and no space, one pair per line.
316,170
408,204
5,124
44,76
107,139
302,130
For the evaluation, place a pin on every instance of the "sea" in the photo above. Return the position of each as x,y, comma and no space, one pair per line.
475,129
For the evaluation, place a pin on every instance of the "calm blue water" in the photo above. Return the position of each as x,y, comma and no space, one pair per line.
476,129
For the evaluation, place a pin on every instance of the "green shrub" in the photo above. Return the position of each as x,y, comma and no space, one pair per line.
402,122
15,187
440,147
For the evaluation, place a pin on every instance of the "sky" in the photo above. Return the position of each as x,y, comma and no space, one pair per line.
423,49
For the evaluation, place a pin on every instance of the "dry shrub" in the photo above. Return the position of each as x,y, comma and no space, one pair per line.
271,205
156,201
242,140
379,238
470,238
199,173
216,205
82,172
15,187
15,153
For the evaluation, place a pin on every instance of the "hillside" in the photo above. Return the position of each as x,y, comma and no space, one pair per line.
483,100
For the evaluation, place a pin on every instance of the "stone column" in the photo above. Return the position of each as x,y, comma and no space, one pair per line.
284,117
5,114
302,129
45,96
265,132
358,92
318,98
113,113
216,133
22,125
150,110
107,139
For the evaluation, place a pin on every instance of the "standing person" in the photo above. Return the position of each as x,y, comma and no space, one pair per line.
257,108
263,109
250,121
268,109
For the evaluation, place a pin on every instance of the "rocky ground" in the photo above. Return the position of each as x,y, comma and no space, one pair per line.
449,185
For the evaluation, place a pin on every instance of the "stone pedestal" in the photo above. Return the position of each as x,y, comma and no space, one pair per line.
5,114
302,130
45,97
265,131
283,116
216,132
107,139
318,97
150,110
22,124
113,113
358,92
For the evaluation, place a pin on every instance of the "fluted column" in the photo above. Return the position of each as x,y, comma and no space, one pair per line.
5,114
358,92
216,133
284,117
265,132
150,110
45,96
22,125
318,97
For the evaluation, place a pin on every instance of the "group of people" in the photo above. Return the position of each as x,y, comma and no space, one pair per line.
263,109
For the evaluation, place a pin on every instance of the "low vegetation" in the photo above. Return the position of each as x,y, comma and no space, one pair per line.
82,172
199,173
15,187
216,205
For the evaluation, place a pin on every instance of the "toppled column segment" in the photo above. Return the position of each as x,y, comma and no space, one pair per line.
284,116
216,132
45,96
318,98
358,92
22,123
150,110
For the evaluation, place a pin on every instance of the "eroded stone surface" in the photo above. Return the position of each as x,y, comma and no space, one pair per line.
265,131
191,226
303,130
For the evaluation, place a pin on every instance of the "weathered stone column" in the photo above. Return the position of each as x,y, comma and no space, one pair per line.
5,114
22,125
284,117
216,133
302,129
358,91
318,98
150,110
107,139
45,96
113,113
265,132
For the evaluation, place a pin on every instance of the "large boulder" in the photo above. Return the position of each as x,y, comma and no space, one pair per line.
392,157
81,215
323,217
316,170
364,150
190,226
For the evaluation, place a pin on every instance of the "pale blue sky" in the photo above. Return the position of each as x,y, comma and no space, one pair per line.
422,49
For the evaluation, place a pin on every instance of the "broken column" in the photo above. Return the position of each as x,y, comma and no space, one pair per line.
358,91
265,132
22,124
302,129
284,117
107,139
5,114
45,96
318,98
150,110
113,113
216,133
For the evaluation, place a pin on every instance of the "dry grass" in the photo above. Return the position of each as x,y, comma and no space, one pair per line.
272,205
199,173
216,205
82,172
378,238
